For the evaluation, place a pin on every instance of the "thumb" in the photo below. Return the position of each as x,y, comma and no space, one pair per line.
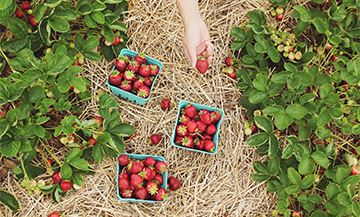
192,54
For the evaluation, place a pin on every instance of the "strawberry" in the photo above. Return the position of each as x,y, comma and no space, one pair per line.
129,75
127,193
174,183
207,137
125,85
178,139
253,129
334,58
233,74
328,46
354,151
149,161
199,144
190,111
148,81
161,195
2,115
50,161
99,120
91,142
140,58
138,83
71,138
116,41
206,118
19,14
147,173
160,166
54,214
321,171
115,78
121,63
296,214
123,174
209,146
191,126
143,91
158,179
140,193
32,21
25,6
202,65
181,130
211,129
165,104
137,167
124,184
151,187
145,70
202,112
354,170
56,177
184,119
154,69
124,160
127,56
136,180
188,141
133,66
155,139
215,116
324,3
154,173
100,39
228,61
279,16
65,185
77,63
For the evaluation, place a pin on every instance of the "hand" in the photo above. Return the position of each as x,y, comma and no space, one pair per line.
197,43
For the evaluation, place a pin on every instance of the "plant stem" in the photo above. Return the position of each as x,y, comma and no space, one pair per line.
22,166
50,152
336,137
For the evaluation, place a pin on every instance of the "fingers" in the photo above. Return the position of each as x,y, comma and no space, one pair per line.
209,51
192,56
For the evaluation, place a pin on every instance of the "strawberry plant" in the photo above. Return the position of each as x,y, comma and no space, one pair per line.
300,88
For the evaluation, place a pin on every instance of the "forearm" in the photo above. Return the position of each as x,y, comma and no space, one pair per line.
189,11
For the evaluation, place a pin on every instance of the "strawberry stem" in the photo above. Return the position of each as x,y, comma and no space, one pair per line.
51,153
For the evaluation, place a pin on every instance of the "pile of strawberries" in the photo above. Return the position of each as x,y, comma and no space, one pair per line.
134,75
142,179
27,10
196,128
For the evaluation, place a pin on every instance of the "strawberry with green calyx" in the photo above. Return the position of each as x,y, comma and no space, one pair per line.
150,161
211,129
354,170
143,91
178,139
191,126
154,69
124,183
229,71
127,193
137,166
202,65
91,142
70,138
155,139
99,120
158,179
190,110
125,85
145,70
151,187
136,180
116,41
123,174
50,161
202,112
296,214
141,58
148,81
188,141
129,75
115,78
215,116
321,171
173,183
33,22
181,130
161,195
206,118
140,193
138,83
146,173
123,160
133,66
19,14
121,63
25,6
184,119
166,104
279,16
199,144
56,177
160,166
65,185
334,58
209,146
54,214
279,10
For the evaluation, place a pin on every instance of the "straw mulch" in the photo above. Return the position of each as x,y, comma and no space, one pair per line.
212,185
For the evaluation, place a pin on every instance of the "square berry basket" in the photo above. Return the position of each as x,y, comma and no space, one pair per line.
127,95
198,107
139,157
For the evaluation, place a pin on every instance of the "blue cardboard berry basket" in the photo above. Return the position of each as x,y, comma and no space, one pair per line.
198,107
140,157
127,95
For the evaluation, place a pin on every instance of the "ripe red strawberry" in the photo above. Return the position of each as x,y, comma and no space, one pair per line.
354,170
54,214
138,83
2,115
165,104
209,146
25,6
207,137
151,187
65,185
178,139
50,161
321,171
133,66
191,126
328,46
174,183
132,188
92,142
228,61
124,160
149,161
154,69
253,129
158,179
181,130
116,41
233,74
354,151
19,14
136,167
279,16
206,118
56,177
141,58
333,58
190,111
211,129
115,78
129,75
148,81
143,91
136,180
155,139
161,195
124,175
147,173
154,173
121,63
160,166
145,70
124,184
296,214
127,193
32,21
215,116
184,119
99,120
125,85
202,65
188,141
202,112
140,193
199,144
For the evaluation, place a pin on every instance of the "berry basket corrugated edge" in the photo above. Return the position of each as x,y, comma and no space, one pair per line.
140,157
198,107
127,95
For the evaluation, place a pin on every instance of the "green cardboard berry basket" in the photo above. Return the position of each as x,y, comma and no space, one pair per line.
198,107
139,157
127,95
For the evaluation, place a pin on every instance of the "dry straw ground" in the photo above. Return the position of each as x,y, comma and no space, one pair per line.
219,185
